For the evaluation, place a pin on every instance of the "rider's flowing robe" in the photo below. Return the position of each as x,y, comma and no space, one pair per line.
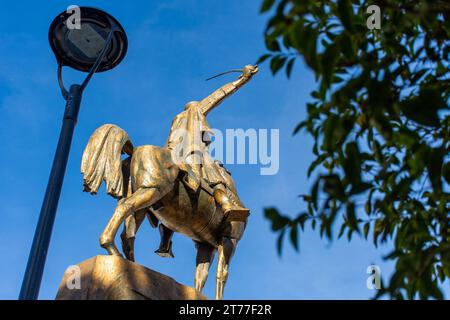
190,151
188,148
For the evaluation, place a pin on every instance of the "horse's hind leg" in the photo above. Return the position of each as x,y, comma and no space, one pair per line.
205,256
140,199
165,246
128,235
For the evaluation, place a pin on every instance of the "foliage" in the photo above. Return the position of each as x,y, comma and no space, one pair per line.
381,127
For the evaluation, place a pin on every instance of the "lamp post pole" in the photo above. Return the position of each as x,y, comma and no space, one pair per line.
76,49
38,253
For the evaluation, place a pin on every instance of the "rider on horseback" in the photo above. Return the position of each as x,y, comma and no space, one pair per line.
188,141
178,185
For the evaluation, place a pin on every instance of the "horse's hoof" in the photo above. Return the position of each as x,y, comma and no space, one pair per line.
126,249
131,256
165,253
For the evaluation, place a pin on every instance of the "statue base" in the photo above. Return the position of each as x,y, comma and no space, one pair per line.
115,278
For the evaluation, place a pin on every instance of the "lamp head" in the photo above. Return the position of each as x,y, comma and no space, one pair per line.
77,41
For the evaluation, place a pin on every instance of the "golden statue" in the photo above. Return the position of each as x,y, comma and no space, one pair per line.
178,186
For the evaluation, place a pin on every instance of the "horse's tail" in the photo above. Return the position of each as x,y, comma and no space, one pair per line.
102,160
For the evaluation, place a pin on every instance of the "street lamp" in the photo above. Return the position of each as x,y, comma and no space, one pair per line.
98,43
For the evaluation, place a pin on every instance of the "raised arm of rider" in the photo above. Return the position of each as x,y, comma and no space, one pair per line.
214,99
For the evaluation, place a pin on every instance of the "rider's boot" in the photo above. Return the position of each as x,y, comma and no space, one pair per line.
231,210
165,246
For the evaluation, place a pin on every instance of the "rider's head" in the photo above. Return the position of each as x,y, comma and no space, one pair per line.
192,104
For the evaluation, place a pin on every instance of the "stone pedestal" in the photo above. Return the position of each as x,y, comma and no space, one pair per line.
114,278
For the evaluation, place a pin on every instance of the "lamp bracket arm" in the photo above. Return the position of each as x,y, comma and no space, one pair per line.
64,91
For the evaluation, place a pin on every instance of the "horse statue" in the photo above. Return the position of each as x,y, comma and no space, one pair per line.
178,187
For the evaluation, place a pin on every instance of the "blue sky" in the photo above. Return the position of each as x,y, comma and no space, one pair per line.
173,47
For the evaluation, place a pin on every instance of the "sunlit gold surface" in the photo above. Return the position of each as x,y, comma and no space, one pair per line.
114,278
197,199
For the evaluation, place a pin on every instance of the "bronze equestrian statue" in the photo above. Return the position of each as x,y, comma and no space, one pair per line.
178,186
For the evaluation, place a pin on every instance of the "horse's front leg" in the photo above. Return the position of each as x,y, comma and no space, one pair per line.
232,234
225,253
142,198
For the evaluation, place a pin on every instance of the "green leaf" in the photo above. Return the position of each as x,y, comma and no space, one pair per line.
434,165
333,186
272,44
278,221
337,79
299,127
294,236
351,217
352,163
360,188
424,108
263,58
315,192
271,213
277,63
368,205
366,229
315,163
446,172
280,242
347,45
342,230
266,5
316,94
328,62
301,219
289,66
345,14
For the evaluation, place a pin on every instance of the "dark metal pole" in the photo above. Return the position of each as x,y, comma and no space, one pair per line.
38,253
